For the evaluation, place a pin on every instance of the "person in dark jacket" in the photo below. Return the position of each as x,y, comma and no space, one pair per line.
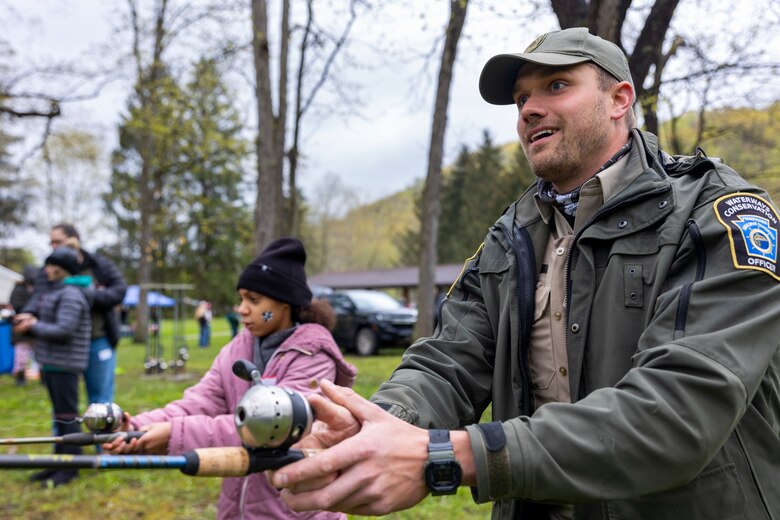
106,294
620,319
60,327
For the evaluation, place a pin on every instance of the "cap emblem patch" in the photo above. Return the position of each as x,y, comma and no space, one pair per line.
535,44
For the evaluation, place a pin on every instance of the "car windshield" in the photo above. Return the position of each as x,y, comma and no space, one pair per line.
374,301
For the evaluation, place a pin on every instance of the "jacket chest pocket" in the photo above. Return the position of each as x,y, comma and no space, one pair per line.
624,269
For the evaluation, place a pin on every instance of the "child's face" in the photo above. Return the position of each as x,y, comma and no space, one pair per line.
263,315
54,272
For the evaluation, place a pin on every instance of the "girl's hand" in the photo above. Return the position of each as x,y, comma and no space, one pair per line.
154,441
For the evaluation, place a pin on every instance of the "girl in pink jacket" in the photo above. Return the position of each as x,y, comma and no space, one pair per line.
285,335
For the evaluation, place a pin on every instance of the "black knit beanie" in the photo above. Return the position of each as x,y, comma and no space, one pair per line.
278,273
65,257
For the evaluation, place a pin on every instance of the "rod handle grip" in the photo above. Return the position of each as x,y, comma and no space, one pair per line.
238,461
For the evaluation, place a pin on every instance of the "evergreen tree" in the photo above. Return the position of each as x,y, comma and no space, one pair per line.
518,175
153,127
201,225
453,206
484,199
13,192
481,185
217,223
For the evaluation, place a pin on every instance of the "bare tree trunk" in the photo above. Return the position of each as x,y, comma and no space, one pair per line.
649,45
302,104
606,18
570,13
280,123
146,89
649,101
291,227
267,205
431,195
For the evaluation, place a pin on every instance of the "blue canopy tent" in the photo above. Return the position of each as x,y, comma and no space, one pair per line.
156,302
153,298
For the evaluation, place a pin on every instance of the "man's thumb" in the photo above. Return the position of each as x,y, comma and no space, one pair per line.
360,407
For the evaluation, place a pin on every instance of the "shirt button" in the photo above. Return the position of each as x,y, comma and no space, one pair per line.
563,371
557,315
560,251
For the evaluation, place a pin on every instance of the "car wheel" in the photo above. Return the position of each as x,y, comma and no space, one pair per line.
366,343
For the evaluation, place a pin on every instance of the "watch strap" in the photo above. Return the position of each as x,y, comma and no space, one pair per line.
441,455
439,440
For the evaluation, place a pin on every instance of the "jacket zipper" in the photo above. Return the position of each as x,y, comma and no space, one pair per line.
687,289
242,497
523,251
526,278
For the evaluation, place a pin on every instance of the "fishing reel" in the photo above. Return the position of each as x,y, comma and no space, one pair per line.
270,417
103,417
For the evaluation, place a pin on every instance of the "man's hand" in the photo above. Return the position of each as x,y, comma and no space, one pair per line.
374,472
334,424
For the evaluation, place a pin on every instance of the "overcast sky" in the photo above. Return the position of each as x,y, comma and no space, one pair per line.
381,151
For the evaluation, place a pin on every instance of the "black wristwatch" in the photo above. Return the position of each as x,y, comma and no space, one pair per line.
442,471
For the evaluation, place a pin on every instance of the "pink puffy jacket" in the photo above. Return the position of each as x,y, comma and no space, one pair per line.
204,416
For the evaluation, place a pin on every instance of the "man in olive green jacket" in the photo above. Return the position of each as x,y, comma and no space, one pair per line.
624,325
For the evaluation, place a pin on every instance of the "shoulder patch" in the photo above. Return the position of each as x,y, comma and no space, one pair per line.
752,226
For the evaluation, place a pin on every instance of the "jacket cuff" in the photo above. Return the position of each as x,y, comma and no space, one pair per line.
176,440
491,462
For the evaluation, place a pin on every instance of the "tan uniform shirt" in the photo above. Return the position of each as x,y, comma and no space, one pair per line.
548,363
548,358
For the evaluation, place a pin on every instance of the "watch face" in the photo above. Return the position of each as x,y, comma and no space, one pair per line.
443,475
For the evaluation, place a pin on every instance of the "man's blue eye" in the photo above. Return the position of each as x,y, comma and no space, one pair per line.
557,85
521,100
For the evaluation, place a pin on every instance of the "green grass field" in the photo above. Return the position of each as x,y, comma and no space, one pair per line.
154,494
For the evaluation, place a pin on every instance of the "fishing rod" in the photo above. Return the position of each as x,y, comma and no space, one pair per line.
102,419
202,462
269,419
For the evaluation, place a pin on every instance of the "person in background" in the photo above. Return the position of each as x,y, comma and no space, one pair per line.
203,315
60,328
287,337
233,320
621,318
106,294
22,346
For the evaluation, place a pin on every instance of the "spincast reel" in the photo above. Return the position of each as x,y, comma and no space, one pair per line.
270,417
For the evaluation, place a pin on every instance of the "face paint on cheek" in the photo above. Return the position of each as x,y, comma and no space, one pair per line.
268,316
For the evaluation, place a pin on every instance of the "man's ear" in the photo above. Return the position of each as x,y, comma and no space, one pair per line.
622,99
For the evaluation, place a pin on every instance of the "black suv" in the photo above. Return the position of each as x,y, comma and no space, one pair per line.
367,320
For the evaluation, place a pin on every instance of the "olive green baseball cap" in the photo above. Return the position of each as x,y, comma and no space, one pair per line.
556,49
